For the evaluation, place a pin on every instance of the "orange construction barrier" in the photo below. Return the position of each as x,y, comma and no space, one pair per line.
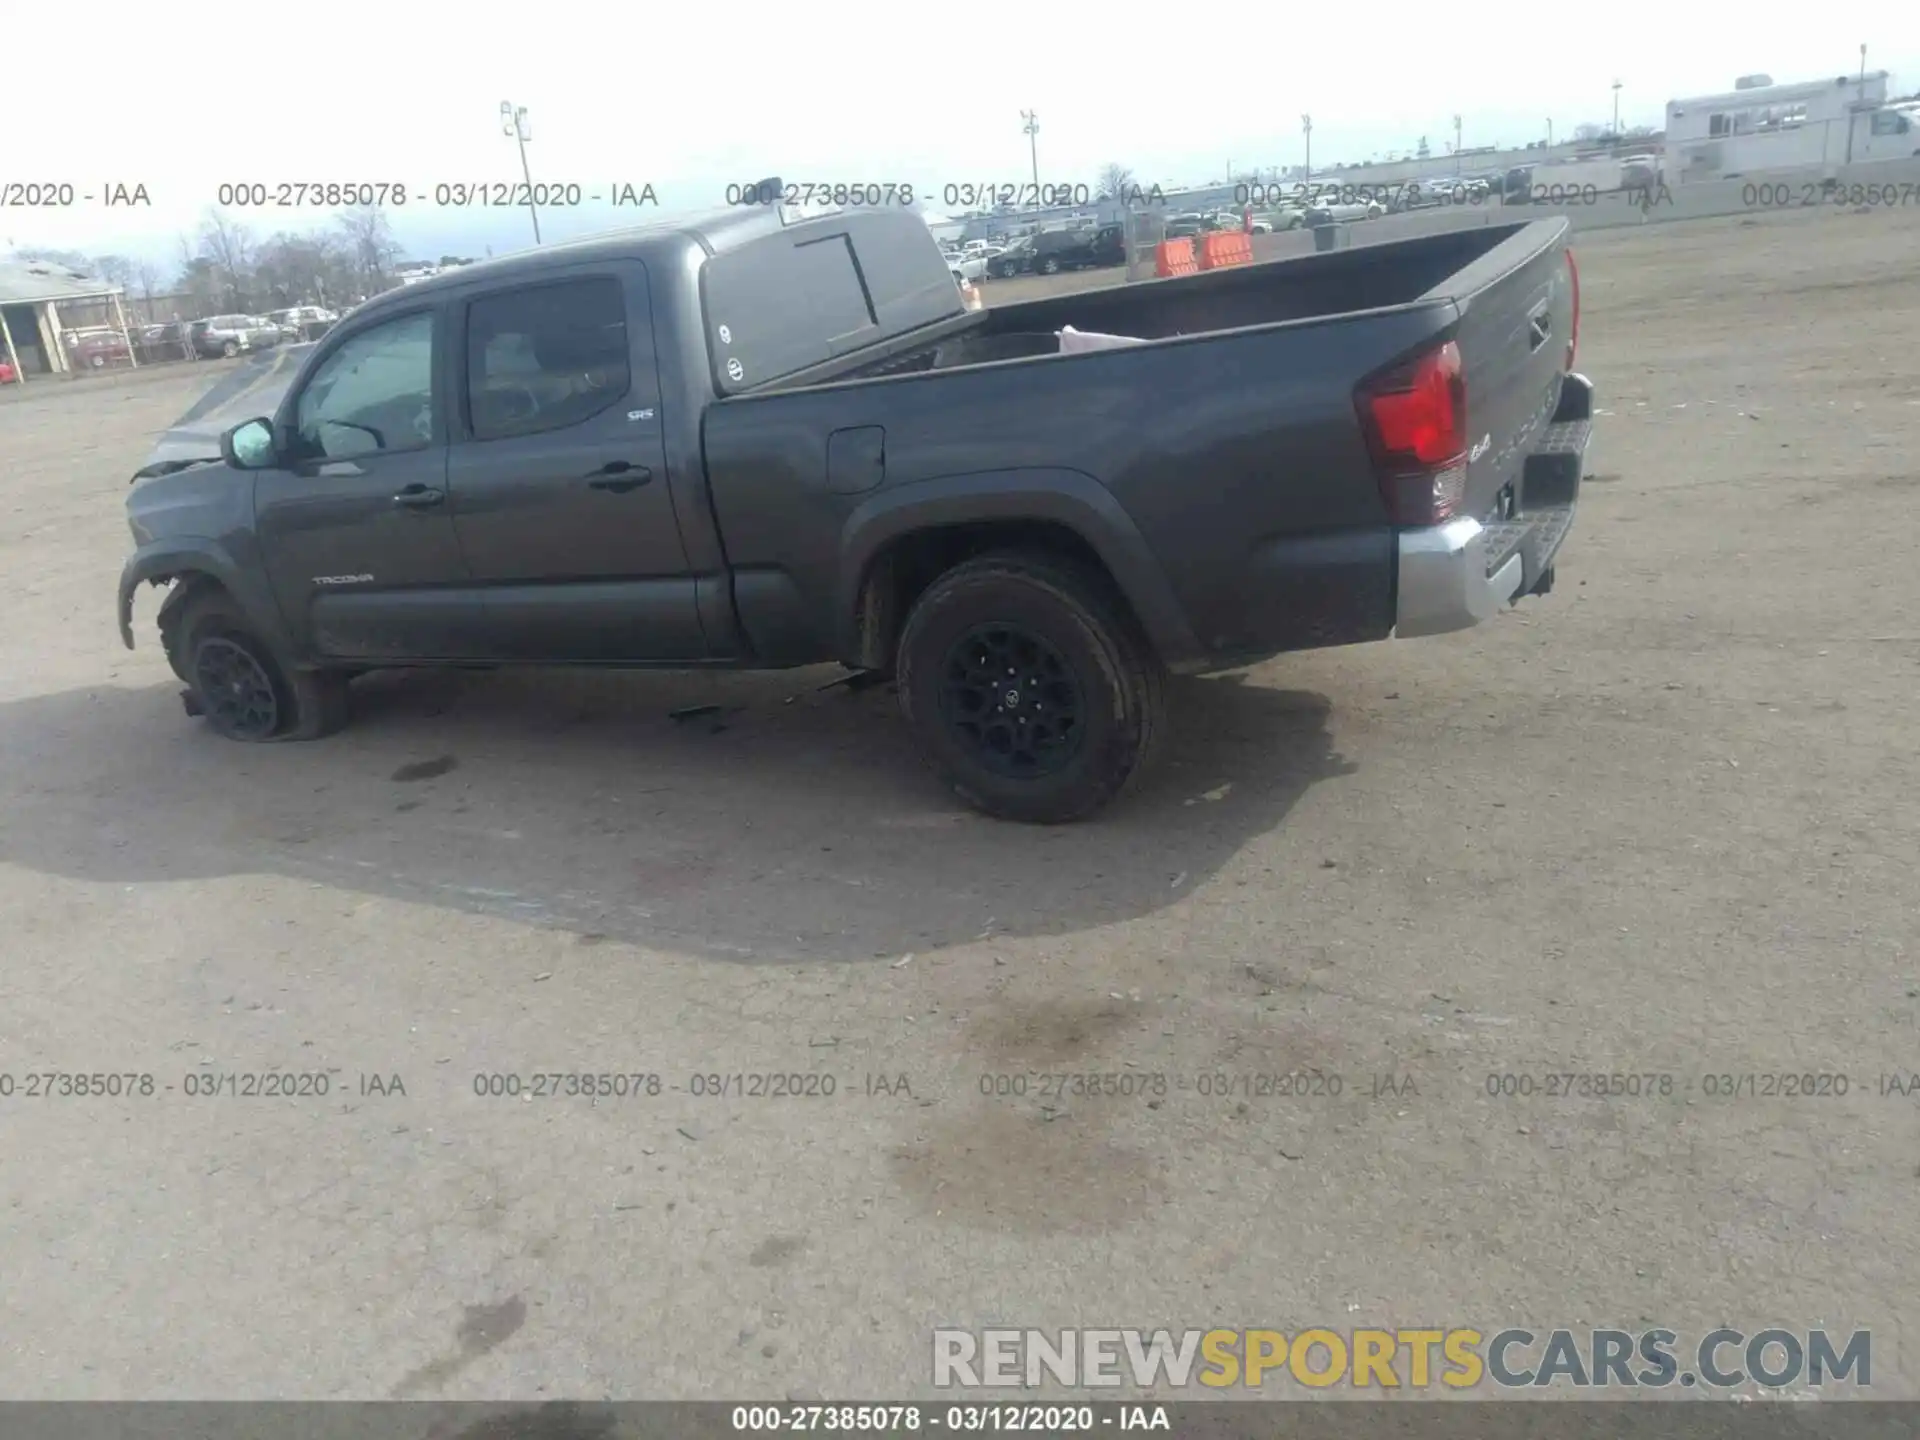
1175,257
1224,248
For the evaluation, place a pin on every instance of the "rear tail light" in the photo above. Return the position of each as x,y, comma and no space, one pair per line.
1573,338
1415,420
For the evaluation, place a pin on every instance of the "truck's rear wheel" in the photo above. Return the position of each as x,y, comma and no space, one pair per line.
240,685
1031,690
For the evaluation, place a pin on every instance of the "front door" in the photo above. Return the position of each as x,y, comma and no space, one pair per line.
354,524
558,472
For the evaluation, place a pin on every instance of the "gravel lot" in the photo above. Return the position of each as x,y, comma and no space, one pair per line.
1661,821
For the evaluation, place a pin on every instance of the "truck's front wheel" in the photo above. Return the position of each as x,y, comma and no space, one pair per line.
1032,691
237,682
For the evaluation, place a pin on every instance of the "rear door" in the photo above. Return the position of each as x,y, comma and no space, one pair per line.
558,471
354,525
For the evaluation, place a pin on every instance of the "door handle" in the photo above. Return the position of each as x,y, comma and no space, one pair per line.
419,497
619,476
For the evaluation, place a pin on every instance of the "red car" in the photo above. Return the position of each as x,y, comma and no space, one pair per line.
7,377
97,349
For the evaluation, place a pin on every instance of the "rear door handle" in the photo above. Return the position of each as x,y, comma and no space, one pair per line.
619,476
419,497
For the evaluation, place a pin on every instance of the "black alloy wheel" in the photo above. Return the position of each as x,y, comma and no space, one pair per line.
1032,691
1009,698
235,689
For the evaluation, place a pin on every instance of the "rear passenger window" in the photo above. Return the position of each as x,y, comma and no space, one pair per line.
784,306
546,357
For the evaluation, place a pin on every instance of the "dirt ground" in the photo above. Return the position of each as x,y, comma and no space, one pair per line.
1661,822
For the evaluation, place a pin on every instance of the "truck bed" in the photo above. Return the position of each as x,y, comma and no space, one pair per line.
1221,474
1310,287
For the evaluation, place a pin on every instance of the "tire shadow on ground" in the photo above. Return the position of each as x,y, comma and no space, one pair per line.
757,816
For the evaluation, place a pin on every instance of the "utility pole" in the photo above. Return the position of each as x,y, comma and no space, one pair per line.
1549,132
1616,109
513,124
1306,129
1859,104
1457,163
1031,129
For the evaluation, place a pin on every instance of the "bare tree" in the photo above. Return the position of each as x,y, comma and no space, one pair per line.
146,280
1115,181
374,248
304,269
197,280
115,270
227,246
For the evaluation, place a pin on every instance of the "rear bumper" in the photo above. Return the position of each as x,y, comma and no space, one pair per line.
1456,575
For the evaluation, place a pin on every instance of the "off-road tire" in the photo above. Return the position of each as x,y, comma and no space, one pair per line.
1074,611
308,704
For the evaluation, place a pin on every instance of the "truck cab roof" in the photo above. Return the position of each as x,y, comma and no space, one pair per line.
869,275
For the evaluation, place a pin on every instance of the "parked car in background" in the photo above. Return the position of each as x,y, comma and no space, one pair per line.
965,266
1328,212
164,341
1016,259
1057,250
303,322
231,334
95,349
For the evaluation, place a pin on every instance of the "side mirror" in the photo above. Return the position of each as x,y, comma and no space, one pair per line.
249,446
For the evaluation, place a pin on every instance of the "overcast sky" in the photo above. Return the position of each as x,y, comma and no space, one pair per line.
688,97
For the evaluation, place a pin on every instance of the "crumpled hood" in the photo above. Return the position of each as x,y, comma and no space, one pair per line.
254,388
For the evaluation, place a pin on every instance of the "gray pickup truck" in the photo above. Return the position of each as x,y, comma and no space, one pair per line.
766,440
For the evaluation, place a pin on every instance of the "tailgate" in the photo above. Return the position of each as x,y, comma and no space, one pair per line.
1518,306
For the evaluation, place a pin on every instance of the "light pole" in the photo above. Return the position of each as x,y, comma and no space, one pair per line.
513,124
1616,109
1457,163
1549,132
1306,129
1031,129
1859,103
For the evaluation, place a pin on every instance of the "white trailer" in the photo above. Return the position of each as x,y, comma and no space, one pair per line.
1818,125
1572,182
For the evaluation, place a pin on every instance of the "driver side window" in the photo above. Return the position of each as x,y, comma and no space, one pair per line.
374,394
